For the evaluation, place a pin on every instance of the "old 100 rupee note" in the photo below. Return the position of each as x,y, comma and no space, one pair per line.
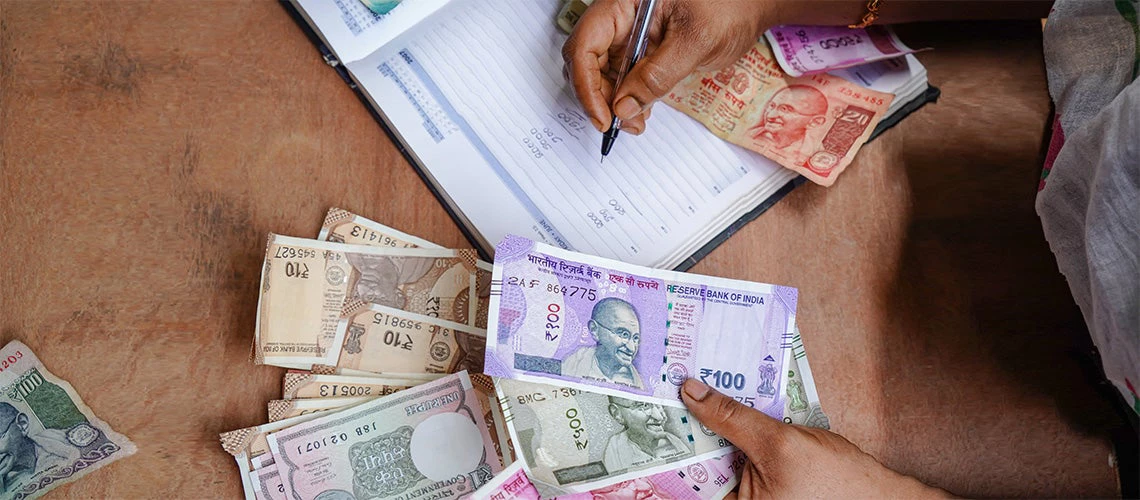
430,441
49,437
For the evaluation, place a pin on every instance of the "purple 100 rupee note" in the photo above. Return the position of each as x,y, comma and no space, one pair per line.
806,50
635,332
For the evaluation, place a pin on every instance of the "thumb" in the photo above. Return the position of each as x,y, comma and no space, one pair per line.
745,427
655,75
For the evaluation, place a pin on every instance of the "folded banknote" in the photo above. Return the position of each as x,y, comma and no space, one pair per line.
307,284
342,226
386,340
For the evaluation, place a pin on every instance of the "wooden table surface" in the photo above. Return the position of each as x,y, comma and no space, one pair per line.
148,147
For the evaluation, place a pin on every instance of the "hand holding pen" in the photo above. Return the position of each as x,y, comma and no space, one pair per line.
682,36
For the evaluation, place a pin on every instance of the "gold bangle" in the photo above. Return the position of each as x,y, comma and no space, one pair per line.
869,17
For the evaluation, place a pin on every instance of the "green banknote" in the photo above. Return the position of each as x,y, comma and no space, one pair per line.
49,437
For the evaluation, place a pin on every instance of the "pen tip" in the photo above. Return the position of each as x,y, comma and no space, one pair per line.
603,160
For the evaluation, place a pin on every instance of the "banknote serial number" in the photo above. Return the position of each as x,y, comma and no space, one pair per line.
854,116
375,237
330,390
556,393
317,444
395,322
590,294
295,253
11,360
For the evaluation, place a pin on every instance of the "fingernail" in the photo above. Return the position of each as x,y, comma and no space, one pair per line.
565,72
597,124
697,390
627,108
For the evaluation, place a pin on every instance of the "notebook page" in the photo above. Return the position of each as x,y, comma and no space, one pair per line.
499,65
352,31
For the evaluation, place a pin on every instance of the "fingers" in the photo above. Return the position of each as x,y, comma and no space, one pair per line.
637,125
587,55
745,488
656,74
747,428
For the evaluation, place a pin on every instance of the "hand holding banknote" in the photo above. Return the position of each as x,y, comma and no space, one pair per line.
786,461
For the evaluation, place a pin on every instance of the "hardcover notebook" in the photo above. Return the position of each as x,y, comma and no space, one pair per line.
474,95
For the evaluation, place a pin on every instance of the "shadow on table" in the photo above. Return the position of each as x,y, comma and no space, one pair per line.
986,324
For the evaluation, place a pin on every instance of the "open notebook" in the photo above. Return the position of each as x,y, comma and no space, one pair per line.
474,94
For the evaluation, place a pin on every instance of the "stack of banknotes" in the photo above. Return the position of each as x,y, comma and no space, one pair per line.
418,372
779,99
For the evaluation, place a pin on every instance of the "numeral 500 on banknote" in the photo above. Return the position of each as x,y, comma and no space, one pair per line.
635,332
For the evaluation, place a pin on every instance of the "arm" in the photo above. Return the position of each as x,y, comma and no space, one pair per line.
691,35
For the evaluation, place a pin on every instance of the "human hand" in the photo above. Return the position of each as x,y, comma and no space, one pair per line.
684,36
795,461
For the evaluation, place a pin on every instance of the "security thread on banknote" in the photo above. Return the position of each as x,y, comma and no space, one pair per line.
307,284
49,437
381,339
618,329
812,124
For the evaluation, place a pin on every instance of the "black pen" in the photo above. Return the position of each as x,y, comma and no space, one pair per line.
638,39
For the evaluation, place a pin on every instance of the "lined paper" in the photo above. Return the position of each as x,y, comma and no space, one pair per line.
499,65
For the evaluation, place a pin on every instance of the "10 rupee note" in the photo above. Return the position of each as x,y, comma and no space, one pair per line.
342,226
389,341
306,284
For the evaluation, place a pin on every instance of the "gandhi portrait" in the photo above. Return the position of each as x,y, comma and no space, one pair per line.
616,329
788,116
643,439
21,453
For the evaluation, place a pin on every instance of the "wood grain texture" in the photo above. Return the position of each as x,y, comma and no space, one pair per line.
148,147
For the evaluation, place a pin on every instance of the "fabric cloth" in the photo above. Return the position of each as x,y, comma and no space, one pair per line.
1089,198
